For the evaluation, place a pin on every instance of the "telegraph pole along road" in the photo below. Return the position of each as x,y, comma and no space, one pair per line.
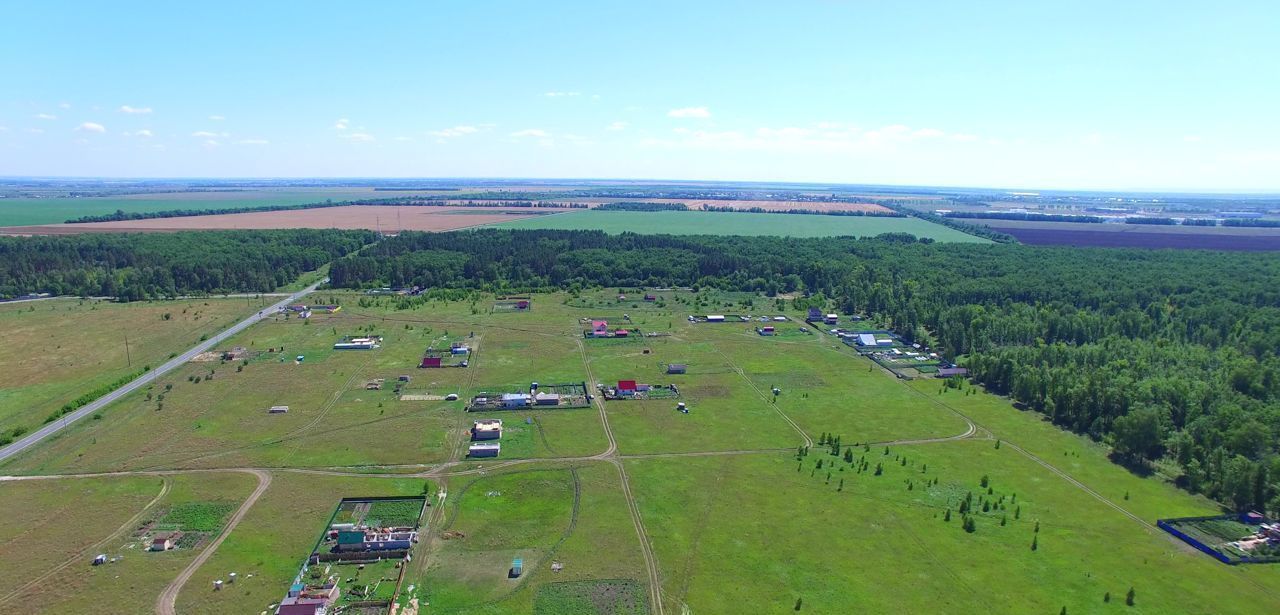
63,422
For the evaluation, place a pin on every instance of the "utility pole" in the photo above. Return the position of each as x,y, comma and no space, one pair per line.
127,356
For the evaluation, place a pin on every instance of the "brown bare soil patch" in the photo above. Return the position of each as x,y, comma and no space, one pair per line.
388,218
701,203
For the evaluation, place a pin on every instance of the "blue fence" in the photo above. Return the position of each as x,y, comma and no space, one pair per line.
1162,524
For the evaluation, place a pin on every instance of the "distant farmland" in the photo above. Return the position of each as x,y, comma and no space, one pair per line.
373,217
720,223
1138,235
53,210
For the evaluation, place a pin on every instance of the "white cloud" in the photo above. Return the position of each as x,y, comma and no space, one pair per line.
4,129
204,134
64,105
211,143
217,118
36,131
91,127
144,133
253,142
359,136
456,131
684,112
531,132
616,126
135,110
341,124
828,137
561,94
46,116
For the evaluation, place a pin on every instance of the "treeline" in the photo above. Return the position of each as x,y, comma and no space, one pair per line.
1166,355
807,212
1251,222
964,227
405,201
122,215
134,267
1025,215
636,206
1152,221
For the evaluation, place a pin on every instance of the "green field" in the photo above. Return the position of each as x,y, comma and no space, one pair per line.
60,349
55,210
55,527
732,514
717,223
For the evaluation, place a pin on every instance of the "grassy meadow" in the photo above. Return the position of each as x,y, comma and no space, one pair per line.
733,515
59,349
718,223
56,527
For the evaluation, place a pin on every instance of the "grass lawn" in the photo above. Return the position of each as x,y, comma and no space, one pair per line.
69,521
718,223
530,514
60,349
876,546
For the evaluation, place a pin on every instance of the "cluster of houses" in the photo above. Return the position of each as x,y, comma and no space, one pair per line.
305,311
630,389
458,355
1267,534
600,329
359,343
483,434
549,396
357,539
304,599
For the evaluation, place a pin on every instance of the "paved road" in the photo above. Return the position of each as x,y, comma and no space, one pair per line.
48,430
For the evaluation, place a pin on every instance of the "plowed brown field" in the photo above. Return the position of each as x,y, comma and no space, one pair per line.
388,218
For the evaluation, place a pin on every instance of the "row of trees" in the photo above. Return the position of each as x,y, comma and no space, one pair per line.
1168,355
146,266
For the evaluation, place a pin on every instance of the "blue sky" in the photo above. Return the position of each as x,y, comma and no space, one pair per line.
1072,95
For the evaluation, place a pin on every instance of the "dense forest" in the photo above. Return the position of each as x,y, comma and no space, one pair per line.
1025,215
1170,356
153,265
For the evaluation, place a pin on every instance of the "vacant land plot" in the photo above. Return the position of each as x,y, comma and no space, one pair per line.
899,549
274,539
55,528
719,223
59,349
54,210
567,525
387,218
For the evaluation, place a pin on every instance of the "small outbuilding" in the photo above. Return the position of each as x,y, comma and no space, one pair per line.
484,450
486,429
677,368
164,542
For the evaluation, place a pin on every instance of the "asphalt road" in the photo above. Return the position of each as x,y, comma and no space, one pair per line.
39,435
